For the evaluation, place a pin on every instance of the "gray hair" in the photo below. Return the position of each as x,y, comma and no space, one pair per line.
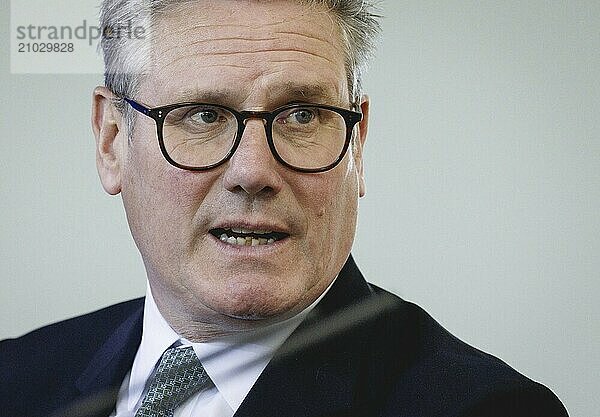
124,60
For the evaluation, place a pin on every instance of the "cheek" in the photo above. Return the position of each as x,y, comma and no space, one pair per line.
165,188
332,202
161,201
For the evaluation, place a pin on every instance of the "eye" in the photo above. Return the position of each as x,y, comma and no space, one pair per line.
303,116
297,116
204,116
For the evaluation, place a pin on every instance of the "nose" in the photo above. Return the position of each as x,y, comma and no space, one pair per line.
252,168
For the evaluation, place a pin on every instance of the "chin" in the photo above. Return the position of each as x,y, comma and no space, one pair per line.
257,313
251,307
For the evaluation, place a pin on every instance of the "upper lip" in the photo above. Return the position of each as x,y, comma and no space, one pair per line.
251,225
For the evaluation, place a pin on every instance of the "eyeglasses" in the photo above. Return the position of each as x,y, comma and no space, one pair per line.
303,137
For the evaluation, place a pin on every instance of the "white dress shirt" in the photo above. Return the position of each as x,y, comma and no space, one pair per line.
233,364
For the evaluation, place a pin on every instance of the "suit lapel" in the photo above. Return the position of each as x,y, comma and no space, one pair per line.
98,385
321,378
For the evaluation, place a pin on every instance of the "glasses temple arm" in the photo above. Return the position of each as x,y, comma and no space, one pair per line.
137,106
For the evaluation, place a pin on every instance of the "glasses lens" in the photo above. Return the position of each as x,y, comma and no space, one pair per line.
199,135
309,137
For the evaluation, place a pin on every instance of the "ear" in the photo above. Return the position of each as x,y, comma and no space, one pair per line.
111,139
363,127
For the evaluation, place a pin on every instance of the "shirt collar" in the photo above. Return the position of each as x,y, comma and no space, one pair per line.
233,364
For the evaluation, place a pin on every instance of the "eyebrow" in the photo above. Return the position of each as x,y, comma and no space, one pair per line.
277,95
304,92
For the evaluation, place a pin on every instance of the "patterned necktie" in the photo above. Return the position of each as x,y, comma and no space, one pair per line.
179,376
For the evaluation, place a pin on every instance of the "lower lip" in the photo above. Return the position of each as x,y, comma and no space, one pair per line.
249,250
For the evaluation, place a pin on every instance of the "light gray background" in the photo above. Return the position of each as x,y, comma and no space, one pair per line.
483,186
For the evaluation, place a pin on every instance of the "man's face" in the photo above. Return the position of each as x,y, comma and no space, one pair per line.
248,56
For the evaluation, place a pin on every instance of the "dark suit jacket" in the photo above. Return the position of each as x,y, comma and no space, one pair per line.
389,358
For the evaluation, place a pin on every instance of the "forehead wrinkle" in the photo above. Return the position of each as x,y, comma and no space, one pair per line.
238,41
261,25
172,49
258,37
284,30
248,30
286,61
231,38
257,47
306,35
270,50
176,60
242,39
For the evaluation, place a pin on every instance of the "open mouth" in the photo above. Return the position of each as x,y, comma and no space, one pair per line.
245,237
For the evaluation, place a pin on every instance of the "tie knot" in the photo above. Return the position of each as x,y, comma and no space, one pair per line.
179,375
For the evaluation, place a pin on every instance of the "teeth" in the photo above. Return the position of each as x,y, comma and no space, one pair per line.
248,231
245,241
